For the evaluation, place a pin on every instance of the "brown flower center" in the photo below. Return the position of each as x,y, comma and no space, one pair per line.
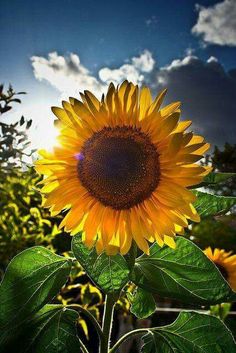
119,166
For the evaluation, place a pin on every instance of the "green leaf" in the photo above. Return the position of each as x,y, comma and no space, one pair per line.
143,304
51,330
190,333
31,280
184,273
110,273
212,205
216,178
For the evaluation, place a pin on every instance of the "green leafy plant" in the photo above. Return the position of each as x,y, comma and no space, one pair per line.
14,143
34,277
218,231
23,220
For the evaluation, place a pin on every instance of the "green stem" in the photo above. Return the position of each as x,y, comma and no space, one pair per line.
89,316
126,336
83,347
107,323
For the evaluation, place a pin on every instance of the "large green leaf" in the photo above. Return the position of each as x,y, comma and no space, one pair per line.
51,330
110,273
212,205
216,178
143,304
190,333
184,273
31,280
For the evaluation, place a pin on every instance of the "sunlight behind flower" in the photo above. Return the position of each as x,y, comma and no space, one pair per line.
43,133
44,138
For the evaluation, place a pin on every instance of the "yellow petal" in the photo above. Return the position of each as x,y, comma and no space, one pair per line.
145,102
157,102
169,241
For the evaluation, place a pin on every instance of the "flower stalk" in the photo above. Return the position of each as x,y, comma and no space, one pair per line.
107,323
126,336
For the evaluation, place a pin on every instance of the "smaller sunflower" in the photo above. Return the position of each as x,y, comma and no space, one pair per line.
226,263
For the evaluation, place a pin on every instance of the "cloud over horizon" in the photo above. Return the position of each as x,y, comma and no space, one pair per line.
134,70
207,93
217,24
69,76
206,89
65,73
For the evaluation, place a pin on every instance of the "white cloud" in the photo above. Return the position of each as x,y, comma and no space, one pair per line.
69,76
180,62
217,24
144,62
133,71
66,74
126,71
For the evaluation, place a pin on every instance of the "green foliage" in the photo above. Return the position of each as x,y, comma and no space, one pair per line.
79,290
13,145
190,333
51,330
23,221
13,137
217,178
219,233
184,273
110,273
224,161
216,229
31,280
7,98
213,205
143,304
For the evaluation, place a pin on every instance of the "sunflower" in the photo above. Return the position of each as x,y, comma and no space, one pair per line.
226,263
122,169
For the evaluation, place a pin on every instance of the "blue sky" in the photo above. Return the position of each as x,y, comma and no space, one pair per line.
102,34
